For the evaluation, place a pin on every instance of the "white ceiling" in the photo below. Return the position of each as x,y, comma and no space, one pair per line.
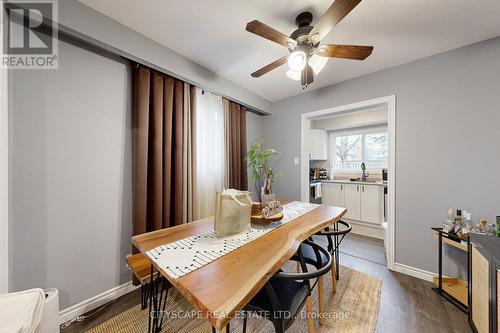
212,33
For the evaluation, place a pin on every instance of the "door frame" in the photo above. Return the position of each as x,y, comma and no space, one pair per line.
4,182
390,103
4,172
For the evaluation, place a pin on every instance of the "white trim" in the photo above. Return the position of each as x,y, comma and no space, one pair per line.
4,173
390,101
391,182
367,230
413,271
95,302
357,130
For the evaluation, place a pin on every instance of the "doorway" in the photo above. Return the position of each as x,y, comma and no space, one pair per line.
309,120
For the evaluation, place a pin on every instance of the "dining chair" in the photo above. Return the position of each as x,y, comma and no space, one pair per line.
334,235
284,295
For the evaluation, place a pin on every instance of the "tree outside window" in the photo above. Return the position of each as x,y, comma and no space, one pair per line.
352,150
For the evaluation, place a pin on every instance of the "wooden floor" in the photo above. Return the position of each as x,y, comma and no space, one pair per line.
366,248
407,304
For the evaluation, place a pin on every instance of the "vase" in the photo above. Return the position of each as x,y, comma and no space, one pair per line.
267,197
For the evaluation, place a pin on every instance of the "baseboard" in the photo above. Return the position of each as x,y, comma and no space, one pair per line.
367,230
413,271
94,302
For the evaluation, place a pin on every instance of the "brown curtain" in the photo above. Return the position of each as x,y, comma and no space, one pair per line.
162,143
236,145
189,153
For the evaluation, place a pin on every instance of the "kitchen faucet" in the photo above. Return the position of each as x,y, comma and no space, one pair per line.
365,174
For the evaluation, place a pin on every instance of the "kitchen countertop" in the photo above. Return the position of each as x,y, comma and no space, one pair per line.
340,181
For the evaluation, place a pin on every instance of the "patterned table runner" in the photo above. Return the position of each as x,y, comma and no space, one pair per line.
186,255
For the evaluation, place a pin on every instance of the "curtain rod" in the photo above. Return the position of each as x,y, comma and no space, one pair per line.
139,62
249,108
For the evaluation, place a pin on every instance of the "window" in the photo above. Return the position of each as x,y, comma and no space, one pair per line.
209,166
351,150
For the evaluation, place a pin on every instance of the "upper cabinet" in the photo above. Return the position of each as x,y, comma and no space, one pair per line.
318,144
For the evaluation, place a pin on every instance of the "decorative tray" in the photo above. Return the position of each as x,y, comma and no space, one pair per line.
257,217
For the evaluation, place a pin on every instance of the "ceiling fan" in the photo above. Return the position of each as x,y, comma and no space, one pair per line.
307,57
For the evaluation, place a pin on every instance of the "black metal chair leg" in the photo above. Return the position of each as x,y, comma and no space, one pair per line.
337,253
228,329
279,327
337,261
245,322
335,237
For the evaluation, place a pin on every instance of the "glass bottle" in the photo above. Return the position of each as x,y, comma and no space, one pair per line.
451,216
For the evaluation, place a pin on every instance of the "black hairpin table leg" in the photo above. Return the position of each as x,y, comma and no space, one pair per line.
144,295
151,293
165,286
158,293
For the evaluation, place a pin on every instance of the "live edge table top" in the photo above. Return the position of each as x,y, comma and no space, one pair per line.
225,285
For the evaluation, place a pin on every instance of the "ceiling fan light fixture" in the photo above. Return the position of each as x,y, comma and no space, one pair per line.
297,61
317,63
293,75
308,56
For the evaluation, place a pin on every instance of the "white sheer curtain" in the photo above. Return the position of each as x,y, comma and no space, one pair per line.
209,151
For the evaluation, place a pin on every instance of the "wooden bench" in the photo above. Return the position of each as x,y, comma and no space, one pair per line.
141,267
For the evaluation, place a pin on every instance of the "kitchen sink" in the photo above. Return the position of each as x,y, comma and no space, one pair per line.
364,181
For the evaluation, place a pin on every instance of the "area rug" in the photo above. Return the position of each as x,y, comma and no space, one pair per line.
353,308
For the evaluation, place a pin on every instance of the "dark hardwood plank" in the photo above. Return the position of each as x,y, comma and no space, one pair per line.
407,304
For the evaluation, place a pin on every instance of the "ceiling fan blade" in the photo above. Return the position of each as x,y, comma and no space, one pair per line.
267,32
270,67
355,52
337,11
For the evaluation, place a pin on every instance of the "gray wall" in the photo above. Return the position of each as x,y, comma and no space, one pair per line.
447,153
70,182
85,22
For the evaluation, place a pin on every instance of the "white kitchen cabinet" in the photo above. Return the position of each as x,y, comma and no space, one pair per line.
364,203
332,194
371,199
318,144
352,201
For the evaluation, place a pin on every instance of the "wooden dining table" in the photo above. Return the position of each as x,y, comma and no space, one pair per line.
224,286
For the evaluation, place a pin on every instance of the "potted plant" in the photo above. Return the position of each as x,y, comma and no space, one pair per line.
262,170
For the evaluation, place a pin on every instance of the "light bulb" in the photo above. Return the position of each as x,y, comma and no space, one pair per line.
293,75
317,63
297,61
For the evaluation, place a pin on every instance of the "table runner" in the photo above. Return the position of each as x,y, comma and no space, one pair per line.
186,255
